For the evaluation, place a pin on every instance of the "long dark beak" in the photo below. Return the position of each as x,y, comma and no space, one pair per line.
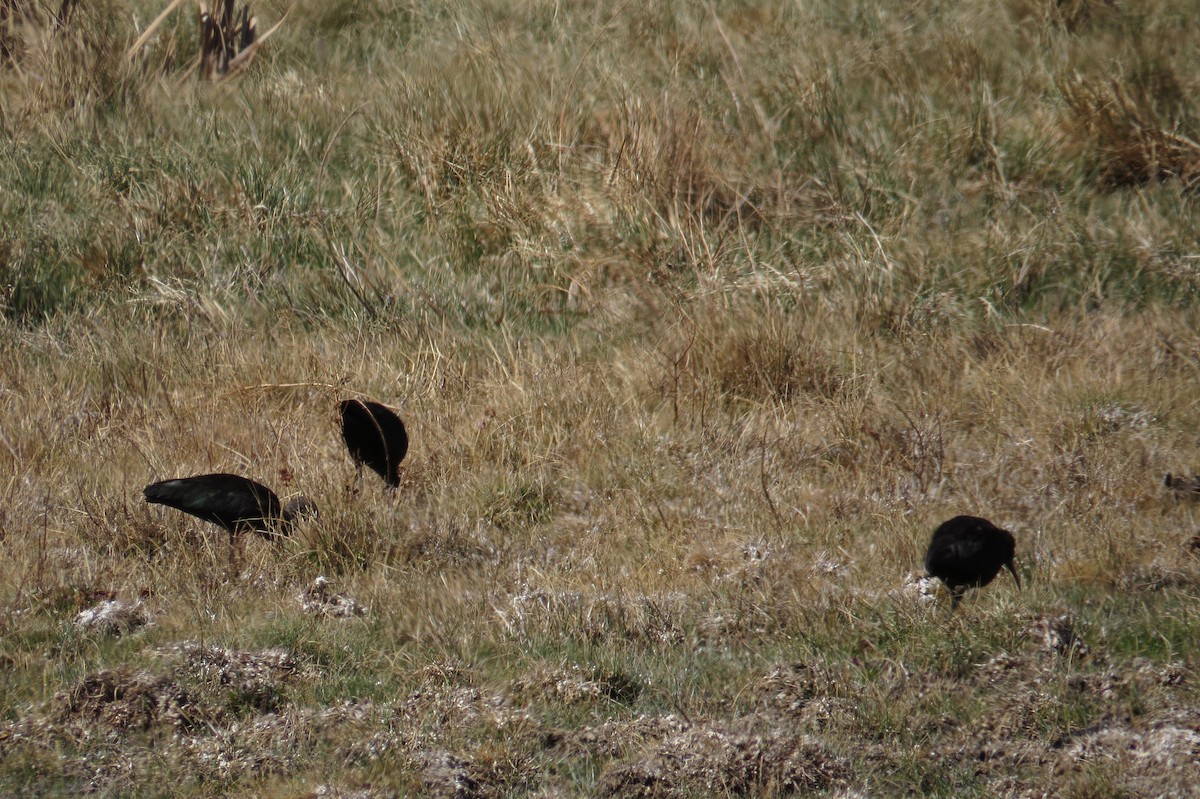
1013,569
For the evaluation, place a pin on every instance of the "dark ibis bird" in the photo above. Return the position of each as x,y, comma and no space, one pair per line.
968,552
375,437
236,503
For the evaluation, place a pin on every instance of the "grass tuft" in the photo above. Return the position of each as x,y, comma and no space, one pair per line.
1126,131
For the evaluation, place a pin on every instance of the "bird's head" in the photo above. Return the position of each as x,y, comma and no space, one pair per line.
298,508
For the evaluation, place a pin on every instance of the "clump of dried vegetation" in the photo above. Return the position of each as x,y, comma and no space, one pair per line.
701,317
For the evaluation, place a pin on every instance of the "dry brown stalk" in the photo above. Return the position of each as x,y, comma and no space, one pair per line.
227,41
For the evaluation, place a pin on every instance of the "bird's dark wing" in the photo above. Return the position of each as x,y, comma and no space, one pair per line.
962,539
375,436
228,500
961,548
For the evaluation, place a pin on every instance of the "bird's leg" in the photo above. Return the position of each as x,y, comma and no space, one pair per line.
234,554
956,595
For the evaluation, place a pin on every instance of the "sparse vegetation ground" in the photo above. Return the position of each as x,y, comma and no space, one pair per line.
701,317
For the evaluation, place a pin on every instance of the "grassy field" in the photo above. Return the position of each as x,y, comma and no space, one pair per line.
701,317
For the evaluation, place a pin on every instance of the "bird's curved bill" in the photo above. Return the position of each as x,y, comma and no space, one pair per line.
1013,569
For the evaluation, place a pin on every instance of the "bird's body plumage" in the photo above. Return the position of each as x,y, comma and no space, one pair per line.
968,552
375,437
230,501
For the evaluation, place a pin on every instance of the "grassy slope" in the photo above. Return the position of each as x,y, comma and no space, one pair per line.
701,318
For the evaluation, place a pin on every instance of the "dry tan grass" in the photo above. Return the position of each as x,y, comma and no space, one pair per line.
700,318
